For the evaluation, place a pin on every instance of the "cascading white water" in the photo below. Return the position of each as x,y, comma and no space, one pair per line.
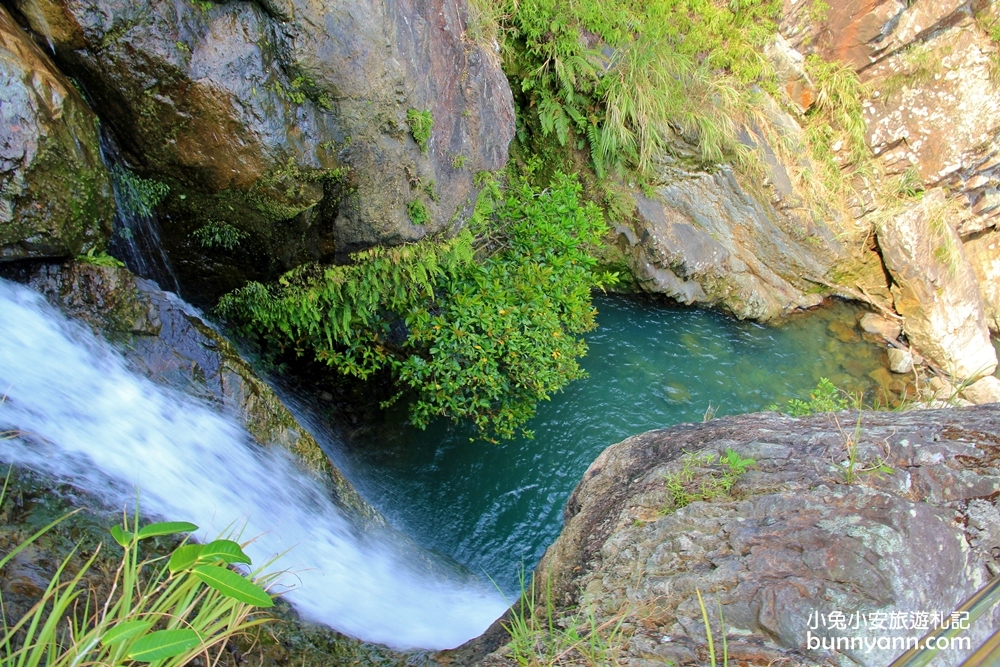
136,238
93,422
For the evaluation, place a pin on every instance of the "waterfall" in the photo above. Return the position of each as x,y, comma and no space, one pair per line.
92,422
136,237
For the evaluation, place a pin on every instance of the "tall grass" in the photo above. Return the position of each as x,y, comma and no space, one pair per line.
165,611
540,636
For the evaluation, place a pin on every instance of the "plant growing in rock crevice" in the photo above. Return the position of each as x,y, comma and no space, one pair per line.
704,476
541,636
853,465
421,124
826,397
219,235
418,213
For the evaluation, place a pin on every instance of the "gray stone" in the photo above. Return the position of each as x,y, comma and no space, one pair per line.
936,289
55,194
983,252
789,65
900,361
704,240
792,538
287,119
878,325
986,390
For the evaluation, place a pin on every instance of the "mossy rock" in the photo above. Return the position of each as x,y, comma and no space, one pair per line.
55,193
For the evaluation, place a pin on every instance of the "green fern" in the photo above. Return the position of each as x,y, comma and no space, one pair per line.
480,327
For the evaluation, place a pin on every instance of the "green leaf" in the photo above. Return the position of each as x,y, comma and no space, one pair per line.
163,644
184,557
122,537
226,550
125,630
166,528
233,585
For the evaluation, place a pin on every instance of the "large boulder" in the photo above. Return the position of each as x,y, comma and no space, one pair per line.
936,108
55,194
935,288
983,252
859,32
798,537
702,239
290,121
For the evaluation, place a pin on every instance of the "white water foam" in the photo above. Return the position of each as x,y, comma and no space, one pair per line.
93,422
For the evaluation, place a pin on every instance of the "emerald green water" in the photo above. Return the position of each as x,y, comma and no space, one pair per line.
494,507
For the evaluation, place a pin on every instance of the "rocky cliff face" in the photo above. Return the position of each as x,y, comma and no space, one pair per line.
933,120
912,527
291,121
55,195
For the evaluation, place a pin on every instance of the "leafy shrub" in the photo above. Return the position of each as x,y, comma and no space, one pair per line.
100,259
166,613
219,235
421,123
826,397
138,196
480,326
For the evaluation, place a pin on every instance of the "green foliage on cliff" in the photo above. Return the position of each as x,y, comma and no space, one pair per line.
479,327
626,77
418,213
138,196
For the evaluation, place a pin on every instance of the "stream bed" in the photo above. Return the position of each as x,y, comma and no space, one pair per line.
494,508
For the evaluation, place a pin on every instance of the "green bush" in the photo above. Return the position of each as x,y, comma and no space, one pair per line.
826,397
215,234
139,196
479,327
418,213
100,259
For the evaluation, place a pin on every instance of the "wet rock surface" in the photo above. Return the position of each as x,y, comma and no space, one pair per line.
288,119
799,533
167,340
55,195
707,238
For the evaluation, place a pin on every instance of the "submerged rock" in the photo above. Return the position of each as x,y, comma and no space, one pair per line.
293,122
55,194
909,529
880,326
